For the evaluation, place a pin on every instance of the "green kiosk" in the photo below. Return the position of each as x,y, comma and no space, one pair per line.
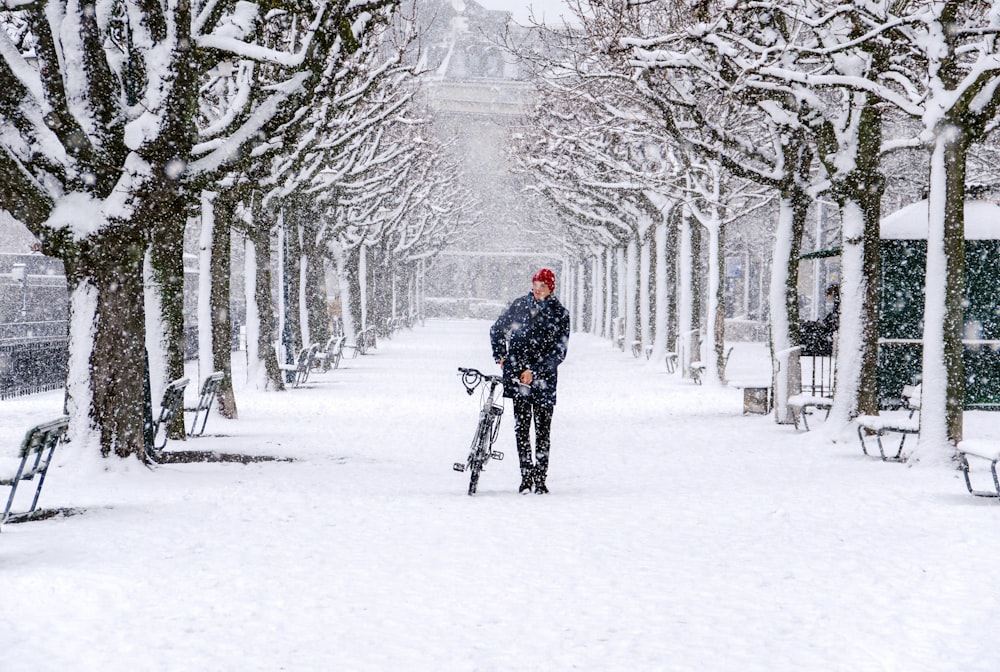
904,254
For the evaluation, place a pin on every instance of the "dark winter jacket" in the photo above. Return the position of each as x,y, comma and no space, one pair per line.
531,335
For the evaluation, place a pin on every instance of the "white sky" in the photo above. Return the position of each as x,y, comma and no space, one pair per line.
549,10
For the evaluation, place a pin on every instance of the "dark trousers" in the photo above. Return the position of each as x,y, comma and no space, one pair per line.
523,412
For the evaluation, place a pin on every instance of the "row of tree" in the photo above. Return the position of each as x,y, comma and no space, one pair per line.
661,123
126,122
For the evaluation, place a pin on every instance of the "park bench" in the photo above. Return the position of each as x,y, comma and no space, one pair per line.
366,341
208,391
619,333
637,349
905,421
35,456
171,404
981,451
391,326
330,356
302,365
698,368
817,390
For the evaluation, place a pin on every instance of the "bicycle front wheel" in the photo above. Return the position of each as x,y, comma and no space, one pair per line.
479,454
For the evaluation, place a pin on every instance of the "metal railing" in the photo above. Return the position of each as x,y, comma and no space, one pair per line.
33,331
27,367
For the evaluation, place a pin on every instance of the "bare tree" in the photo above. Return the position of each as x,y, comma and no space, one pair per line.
105,140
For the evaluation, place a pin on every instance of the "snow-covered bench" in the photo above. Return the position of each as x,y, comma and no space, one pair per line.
299,370
171,404
698,368
697,371
904,422
618,337
329,357
35,456
817,389
208,391
801,405
637,349
980,450
366,341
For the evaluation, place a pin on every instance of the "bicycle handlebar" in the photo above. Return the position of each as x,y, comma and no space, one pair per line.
471,378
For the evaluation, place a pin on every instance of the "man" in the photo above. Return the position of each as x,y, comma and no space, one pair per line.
817,336
529,343
831,323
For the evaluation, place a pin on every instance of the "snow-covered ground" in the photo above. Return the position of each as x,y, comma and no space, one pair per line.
679,535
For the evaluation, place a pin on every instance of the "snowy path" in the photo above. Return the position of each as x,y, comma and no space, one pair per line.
679,535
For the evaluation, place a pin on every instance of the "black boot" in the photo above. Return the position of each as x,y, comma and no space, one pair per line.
526,483
540,488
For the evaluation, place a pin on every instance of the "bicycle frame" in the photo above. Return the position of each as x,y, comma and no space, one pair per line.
481,451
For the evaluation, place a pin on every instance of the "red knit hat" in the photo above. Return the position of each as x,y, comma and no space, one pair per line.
546,276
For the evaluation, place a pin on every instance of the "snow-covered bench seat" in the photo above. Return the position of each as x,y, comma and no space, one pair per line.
365,342
903,422
980,450
697,371
637,349
298,371
698,368
802,403
35,455
618,333
329,358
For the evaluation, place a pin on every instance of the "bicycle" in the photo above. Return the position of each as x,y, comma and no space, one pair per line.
481,450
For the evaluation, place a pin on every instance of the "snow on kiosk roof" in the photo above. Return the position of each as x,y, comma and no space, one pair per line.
982,222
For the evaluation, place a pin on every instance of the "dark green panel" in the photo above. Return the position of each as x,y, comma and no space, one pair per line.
904,263
899,364
903,269
982,377
982,289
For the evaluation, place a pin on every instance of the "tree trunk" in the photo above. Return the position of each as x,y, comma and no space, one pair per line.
265,306
669,319
347,271
718,284
609,293
113,266
317,302
685,292
379,287
167,261
697,283
292,256
859,194
871,182
954,313
784,304
631,291
943,370
645,298
222,331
